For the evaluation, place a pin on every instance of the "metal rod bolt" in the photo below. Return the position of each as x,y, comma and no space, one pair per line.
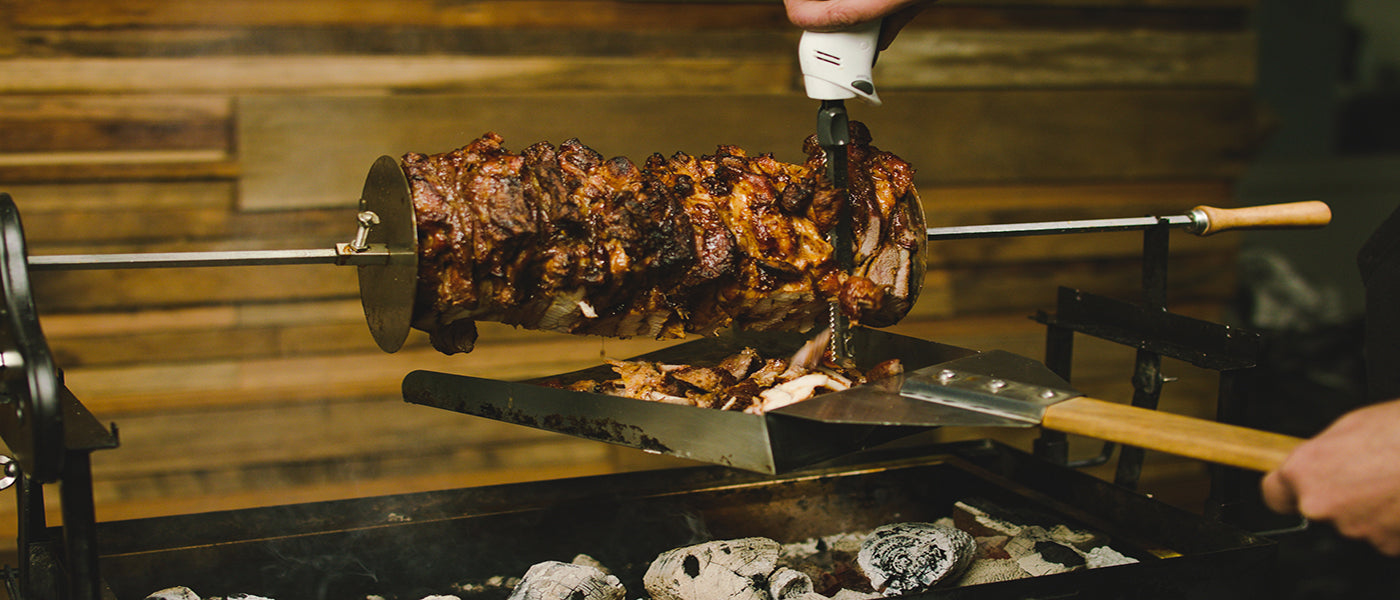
367,221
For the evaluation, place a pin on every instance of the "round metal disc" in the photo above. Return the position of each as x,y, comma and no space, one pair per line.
31,414
9,472
386,291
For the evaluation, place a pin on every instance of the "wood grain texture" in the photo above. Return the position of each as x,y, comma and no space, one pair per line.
44,124
943,59
951,137
1290,215
109,289
409,40
570,14
554,14
259,74
73,167
1165,432
9,42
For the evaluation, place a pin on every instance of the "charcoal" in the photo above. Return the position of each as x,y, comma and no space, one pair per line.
554,580
907,558
719,570
992,570
789,584
174,593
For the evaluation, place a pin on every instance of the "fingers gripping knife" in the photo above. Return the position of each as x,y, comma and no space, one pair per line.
836,66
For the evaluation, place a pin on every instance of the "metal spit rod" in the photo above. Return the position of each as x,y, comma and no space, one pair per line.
1058,227
1202,220
357,252
235,258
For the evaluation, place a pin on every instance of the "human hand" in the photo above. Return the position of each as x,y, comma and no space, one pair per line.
1348,475
835,15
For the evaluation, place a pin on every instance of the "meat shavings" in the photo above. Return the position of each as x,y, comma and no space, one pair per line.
743,381
561,239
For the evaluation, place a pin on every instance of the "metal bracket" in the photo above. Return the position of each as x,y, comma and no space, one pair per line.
996,382
51,434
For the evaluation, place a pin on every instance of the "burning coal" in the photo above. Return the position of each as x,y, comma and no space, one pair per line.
980,543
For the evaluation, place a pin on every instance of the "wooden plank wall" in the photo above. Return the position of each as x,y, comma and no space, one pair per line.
158,125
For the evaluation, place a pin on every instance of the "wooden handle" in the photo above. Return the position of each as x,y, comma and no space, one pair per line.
1293,214
1175,434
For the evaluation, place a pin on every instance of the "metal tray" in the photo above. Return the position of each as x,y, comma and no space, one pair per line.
776,442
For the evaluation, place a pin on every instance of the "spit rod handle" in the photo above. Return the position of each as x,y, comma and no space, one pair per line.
1209,219
1201,439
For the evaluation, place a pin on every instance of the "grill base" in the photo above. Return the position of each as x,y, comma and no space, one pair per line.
412,545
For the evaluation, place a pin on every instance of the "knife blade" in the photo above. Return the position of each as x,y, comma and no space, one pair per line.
837,66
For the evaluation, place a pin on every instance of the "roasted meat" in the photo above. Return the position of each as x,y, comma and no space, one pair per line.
562,239
744,381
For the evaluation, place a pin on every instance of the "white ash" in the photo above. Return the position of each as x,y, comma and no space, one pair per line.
174,593
1037,565
495,582
184,593
1084,540
1104,556
719,570
795,552
991,570
1045,552
554,580
829,562
979,521
589,561
789,584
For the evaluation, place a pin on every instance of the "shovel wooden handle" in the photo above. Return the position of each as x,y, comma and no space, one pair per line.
1175,434
1292,214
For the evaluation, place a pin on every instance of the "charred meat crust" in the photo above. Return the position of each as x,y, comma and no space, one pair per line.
562,239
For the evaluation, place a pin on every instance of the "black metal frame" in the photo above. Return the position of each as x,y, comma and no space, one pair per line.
52,436
1154,332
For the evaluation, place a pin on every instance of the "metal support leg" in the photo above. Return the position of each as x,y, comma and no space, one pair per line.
1053,446
1147,371
1147,390
33,528
80,528
61,563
